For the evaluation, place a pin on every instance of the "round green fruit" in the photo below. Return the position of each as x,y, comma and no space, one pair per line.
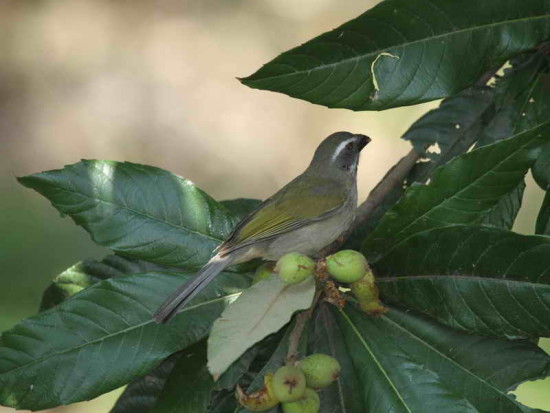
309,404
289,384
347,266
294,267
263,271
320,370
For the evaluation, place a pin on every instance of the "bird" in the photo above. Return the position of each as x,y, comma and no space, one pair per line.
306,215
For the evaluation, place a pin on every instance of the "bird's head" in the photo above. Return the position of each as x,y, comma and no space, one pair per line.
338,154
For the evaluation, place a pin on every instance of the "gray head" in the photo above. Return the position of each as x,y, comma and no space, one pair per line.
338,154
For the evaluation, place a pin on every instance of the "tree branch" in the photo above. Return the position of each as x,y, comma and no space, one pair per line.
393,178
298,329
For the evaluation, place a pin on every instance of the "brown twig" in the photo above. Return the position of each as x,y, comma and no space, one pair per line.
393,178
296,333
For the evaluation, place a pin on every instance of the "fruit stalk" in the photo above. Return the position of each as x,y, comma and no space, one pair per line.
296,333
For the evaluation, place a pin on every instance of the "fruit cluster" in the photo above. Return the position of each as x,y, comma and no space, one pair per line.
346,266
293,386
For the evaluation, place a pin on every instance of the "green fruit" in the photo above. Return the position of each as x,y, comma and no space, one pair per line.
294,267
320,370
260,400
289,384
365,289
309,404
347,266
262,272
367,294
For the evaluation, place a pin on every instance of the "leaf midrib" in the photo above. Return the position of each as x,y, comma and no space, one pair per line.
328,329
382,370
458,277
402,45
106,337
141,213
468,186
435,350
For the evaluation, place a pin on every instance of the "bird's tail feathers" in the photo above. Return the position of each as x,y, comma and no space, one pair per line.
190,289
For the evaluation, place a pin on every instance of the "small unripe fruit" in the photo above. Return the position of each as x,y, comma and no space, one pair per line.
259,401
320,370
309,404
289,384
263,271
365,289
294,267
366,292
347,266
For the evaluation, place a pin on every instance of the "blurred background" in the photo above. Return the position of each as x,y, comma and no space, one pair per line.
154,82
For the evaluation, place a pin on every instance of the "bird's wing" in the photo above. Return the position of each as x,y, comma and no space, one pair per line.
287,210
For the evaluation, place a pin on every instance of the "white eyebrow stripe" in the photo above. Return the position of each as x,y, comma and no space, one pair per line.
341,146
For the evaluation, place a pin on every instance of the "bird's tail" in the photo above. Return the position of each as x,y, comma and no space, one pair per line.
190,289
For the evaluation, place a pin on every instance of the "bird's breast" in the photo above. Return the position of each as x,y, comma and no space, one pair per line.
310,238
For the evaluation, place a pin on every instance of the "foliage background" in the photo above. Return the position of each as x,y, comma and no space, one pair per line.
153,82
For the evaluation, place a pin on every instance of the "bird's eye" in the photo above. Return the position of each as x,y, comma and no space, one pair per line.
349,146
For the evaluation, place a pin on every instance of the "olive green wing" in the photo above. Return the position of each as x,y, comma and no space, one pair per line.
287,210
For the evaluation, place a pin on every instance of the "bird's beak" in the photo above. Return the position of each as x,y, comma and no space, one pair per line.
363,141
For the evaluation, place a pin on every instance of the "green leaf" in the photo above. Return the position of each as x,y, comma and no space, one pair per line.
326,337
516,102
229,379
485,115
522,99
521,102
478,279
188,387
88,272
241,207
141,395
454,126
504,212
441,47
543,220
261,310
224,402
102,338
138,211
462,192
408,363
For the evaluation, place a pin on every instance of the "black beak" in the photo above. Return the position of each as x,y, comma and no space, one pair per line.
363,141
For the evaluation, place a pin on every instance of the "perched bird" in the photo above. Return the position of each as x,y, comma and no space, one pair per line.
306,215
